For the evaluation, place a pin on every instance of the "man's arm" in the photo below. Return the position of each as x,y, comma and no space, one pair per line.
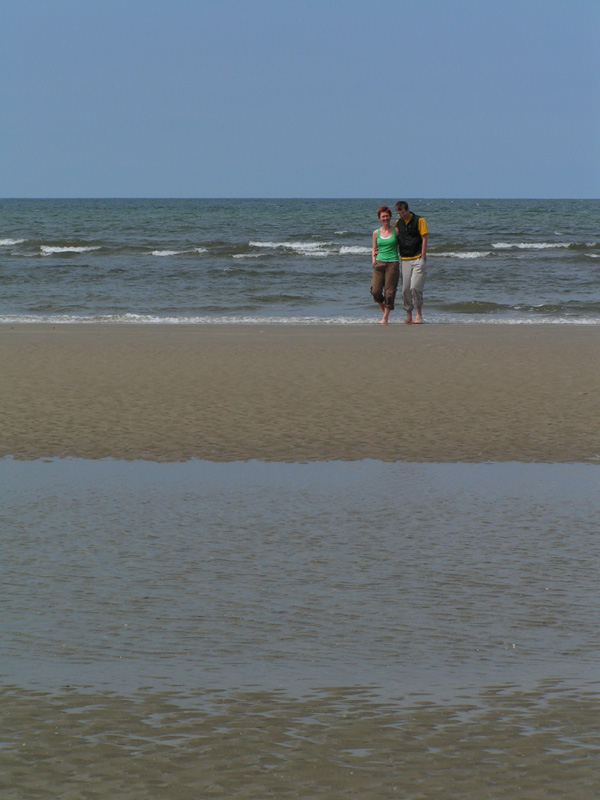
423,231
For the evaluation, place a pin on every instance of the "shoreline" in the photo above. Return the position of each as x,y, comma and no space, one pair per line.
296,322
294,393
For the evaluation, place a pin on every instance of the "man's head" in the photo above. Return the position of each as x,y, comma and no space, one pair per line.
402,209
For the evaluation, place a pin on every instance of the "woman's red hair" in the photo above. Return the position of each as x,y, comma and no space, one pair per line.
382,209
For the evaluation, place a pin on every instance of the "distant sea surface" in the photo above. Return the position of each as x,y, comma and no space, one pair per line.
291,261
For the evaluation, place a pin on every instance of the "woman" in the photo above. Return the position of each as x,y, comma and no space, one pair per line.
386,270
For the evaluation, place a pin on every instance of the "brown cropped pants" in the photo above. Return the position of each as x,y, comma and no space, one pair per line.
384,283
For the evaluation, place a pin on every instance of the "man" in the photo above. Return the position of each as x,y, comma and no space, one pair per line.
411,232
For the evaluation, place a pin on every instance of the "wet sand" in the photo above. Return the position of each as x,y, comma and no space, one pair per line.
440,393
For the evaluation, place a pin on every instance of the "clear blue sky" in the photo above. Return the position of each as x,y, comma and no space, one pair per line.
318,98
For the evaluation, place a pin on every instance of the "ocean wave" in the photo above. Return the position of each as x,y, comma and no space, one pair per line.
448,317
314,249
468,254
162,253
151,319
354,250
318,249
50,250
569,321
530,245
477,307
9,242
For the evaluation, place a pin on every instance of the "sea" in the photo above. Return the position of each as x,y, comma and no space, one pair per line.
291,261
251,630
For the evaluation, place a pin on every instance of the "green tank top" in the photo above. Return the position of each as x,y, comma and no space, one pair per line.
387,249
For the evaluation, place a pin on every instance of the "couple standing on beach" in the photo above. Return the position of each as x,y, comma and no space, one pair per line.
406,241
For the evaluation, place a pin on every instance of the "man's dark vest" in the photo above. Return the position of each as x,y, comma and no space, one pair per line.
409,238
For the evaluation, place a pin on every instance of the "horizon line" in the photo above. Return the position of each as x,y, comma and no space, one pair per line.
276,197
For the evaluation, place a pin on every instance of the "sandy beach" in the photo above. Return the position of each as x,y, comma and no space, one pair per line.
301,393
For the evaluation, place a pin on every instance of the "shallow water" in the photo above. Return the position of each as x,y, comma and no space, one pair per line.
299,630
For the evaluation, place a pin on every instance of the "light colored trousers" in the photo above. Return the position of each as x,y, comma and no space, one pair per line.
414,272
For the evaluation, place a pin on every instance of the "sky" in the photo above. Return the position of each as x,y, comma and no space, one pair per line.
318,98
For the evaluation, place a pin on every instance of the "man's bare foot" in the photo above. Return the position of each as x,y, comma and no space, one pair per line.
408,320
382,322
418,321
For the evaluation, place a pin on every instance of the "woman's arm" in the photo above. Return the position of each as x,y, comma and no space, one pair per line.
375,250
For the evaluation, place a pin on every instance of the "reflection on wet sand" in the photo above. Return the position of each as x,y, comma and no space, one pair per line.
504,743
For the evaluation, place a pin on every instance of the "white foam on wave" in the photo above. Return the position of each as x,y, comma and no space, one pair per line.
530,245
50,250
351,250
9,242
150,319
468,254
528,321
162,253
313,249
247,255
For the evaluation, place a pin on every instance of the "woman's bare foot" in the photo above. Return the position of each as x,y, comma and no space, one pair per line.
386,315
